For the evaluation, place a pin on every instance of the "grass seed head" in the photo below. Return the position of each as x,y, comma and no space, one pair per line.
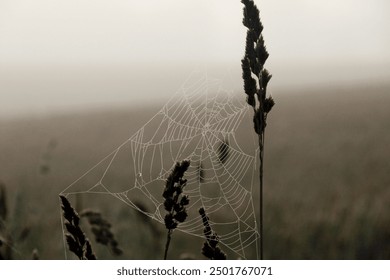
101,228
175,202
210,247
75,238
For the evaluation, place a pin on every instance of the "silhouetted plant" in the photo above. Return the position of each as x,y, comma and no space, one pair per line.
75,237
175,202
47,156
210,247
6,241
101,228
3,204
256,87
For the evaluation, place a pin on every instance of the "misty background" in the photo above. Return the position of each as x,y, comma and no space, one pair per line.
78,78
59,56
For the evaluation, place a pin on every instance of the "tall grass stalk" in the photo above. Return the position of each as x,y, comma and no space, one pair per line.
256,78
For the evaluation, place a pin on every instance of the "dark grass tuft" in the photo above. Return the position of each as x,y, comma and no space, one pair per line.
75,237
210,247
175,201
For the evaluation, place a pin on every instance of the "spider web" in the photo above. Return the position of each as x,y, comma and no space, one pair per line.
192,125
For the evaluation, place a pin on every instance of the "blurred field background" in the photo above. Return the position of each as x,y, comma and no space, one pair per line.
326,190
79,77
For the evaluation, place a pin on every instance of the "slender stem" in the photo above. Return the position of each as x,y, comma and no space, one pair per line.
167,244
261,156
261,138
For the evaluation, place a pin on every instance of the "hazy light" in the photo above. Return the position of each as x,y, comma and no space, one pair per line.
80,51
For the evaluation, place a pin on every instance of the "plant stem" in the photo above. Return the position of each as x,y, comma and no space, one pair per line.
167,244
253,64
261,156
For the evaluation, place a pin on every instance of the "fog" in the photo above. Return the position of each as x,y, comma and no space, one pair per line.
77,54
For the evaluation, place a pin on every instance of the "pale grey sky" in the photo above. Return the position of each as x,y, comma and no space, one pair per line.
75,53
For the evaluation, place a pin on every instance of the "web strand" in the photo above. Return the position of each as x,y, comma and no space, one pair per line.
192,125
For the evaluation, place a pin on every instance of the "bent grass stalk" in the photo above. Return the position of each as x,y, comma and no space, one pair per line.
76,239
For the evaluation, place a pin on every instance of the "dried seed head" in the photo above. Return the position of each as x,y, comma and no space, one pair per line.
261,52
169,222
250,86
250,52
253,62
75,238
214,240
268,104
175,202
252,17
168,204
265,78
69,213
210,248
184,200
219,254
89,255
101,228
207,251
181,216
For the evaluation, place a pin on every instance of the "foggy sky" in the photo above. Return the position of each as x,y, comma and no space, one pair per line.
75,53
